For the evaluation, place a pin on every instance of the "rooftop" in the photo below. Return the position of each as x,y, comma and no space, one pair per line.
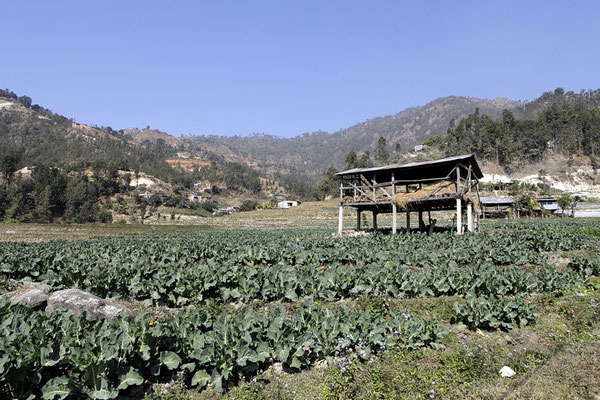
440,168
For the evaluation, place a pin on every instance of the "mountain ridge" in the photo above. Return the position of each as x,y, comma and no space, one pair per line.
310,153
306,154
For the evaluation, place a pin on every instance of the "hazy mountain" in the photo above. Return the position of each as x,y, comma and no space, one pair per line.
311,153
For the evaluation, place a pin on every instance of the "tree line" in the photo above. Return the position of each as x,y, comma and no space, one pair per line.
51,194
568,127
560,122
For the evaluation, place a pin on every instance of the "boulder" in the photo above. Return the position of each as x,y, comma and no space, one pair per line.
34,298
80,301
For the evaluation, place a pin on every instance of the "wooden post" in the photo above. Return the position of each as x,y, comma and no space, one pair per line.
374,191
374,220
394,222
458,216
421,222
358,219
470,217
408,222
469,180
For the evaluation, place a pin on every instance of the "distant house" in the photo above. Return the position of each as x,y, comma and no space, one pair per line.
499,206
145,195
287,204
419,147
495,206
549,203
194,198
226,211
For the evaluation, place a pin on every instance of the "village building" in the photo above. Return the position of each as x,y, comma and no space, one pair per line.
549,203
495,206
287,204
501,206
226,210
445,184
196,198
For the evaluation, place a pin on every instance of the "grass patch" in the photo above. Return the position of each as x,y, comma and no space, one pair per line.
555,358
46,232
200,212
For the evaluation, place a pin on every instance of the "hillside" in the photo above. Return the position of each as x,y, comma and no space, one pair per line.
294,164
311,153
42,137
558,97
139,136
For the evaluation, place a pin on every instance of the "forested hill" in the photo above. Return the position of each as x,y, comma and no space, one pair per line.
47,138
558,122
310,153
558,98
42,137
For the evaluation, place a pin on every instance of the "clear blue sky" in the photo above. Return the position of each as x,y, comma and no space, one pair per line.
285,68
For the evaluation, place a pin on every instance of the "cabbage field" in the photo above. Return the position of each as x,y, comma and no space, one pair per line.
247,299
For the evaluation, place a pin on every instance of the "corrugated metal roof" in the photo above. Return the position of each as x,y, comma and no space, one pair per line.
495,200
417,165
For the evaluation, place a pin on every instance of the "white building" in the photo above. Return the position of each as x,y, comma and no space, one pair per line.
287,204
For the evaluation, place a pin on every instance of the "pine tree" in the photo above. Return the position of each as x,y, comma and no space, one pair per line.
381,154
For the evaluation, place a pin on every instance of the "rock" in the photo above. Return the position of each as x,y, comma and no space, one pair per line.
277,368
80,301
507,372
34,298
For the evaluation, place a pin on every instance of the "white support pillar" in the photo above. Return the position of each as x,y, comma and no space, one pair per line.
374,220
408,222
458,202
358,219
458,216
341,215
394,210
470,217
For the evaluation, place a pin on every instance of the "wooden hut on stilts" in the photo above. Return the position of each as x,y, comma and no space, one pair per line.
446,184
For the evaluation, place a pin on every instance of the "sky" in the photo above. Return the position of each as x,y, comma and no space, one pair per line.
285,68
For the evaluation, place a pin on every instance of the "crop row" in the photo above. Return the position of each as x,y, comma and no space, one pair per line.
180,269
58,356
